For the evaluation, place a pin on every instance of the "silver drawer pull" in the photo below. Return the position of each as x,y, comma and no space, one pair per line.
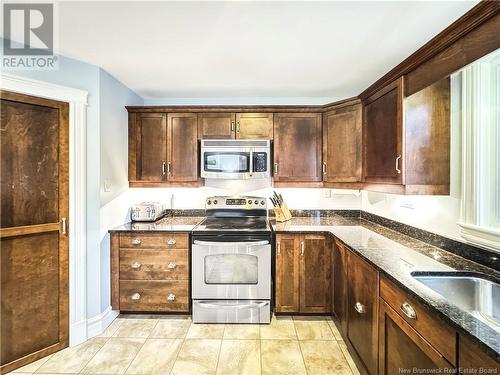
409,311
136,297
171,241
359,307
172,265
136,241
136,265
171,297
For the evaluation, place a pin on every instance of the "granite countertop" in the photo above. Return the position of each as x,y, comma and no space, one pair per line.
166,224
396,255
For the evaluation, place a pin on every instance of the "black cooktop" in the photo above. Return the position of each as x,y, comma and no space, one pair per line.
233,224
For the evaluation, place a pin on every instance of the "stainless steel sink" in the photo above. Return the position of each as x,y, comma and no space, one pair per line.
473,293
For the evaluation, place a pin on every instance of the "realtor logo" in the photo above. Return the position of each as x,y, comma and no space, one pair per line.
28,41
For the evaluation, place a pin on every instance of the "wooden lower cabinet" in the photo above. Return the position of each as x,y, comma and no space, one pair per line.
362,310
401,348
474,360
302,273
154,295
339,285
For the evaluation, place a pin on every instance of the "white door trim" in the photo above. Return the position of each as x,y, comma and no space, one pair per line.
77,100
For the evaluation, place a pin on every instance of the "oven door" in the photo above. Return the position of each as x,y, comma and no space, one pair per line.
226,164
231,270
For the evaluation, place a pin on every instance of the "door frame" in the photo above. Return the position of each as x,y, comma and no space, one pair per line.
77,100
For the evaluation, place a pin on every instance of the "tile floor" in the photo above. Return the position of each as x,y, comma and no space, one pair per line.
174,345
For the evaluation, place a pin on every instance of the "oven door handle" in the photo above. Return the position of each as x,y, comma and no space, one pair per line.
232,306
230,244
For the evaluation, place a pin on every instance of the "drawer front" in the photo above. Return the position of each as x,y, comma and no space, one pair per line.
431,328
155,241
154,296
147,264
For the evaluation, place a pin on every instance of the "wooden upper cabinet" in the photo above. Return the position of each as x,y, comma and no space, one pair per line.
150,147
314,274
182,136
297,147
287,273
254,126
362,310
383,135
342,144
339,284
216,125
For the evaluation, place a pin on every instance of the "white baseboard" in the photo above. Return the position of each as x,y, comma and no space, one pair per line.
78,332
97,324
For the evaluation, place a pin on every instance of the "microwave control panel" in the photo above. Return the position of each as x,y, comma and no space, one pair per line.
259,161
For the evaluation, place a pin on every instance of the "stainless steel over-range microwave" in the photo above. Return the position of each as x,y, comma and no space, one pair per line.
235,159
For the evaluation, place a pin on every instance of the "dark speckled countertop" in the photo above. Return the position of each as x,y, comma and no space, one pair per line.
166,224
396,256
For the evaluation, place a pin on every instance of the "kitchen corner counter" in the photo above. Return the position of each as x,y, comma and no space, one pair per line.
166,224
396,255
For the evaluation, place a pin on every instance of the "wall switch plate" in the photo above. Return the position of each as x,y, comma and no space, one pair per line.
107,186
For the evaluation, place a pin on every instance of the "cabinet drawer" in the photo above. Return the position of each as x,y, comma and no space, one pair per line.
156,241
147,264
154,295
432,329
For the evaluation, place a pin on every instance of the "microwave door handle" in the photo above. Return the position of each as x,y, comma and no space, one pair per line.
230,244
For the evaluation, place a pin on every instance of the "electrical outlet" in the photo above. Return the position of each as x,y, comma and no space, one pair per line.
327,193
107,186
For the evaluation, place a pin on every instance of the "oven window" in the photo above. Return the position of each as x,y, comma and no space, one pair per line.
230,162
231,269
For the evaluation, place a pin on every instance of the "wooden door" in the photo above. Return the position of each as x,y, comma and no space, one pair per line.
151,146
34,241
342,145
339,287
216,126
402,348
362,310
254,126
297,147
287,273
182,139
314,274
383,135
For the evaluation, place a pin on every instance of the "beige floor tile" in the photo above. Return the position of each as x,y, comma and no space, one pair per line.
281,357
205,331
324,358
171,328
348,357
112,328
157,356
335,330
308,329
115,356
33,366
197,357
72,360
239,357
280,328
135,328
241,332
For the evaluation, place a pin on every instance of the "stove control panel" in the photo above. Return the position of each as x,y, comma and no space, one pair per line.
240,203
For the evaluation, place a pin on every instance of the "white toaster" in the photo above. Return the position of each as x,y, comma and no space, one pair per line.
147,211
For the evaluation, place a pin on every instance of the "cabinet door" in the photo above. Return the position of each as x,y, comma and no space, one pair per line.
342,145
339,287
314,274
254,125
362,310
471,357
383,135
182,147
297,147
151,146
287,273
401,347
216,126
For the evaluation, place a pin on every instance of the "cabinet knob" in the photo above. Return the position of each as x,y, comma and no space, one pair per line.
163,168
397,164
324,168
135,297
136,241
409,311
359,307
136,265
171,241
171,297
278,245
275,168
237,126
232,126
172,265
302,248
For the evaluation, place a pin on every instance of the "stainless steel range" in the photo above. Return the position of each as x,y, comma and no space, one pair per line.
231,262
